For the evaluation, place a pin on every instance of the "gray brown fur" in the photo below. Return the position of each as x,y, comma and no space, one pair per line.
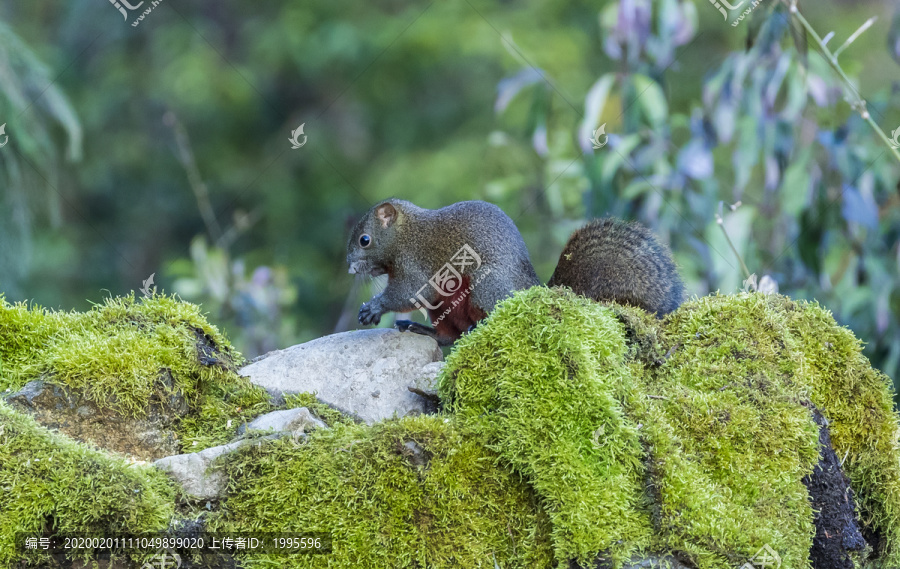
412,247
610,259
607,260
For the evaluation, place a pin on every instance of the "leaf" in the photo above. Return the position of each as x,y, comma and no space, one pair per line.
509,87
758,18
594,103
746,152
893,39
726,266
636,188
614,160
859,208
795,185
797,97
695,160
687,25
776,79
798,33
652,100
539,140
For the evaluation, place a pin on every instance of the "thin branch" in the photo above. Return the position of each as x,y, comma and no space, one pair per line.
855,35
201,192
721,222
831,58
242,224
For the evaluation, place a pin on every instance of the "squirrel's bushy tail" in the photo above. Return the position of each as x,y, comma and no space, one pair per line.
613,260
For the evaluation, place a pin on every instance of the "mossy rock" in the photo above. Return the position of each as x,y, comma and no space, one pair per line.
577,434
809,357
581,434
411,492
152,362
51,485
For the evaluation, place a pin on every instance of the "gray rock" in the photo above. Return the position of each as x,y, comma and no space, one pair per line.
193,473
193,470
415,454
291,420
364,373
432,370
645,561
68,411
655,562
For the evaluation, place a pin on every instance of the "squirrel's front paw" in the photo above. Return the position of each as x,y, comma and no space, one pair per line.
368,315
403,325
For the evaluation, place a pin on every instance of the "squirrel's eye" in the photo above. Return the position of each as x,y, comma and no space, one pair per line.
365,241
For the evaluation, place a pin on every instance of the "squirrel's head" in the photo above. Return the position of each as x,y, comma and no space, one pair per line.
370,249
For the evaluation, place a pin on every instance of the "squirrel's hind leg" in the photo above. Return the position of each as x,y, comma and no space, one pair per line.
416,328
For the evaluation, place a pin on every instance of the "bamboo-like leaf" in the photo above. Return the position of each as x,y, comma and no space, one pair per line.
868,24
509,87
893,39
31,106
758,17
594,103
800,42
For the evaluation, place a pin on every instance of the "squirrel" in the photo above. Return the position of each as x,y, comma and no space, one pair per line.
456,263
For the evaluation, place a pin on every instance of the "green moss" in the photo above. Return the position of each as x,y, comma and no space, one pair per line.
328,415
572,429
732,355
124,351
221,410
452,506
858,401
729,434
116,353
23,334
540,379
52,484
703,422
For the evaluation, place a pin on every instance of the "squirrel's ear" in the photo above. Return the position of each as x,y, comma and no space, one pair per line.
386,214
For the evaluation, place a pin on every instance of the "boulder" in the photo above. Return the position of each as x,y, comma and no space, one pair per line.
290,420
364,373
193,471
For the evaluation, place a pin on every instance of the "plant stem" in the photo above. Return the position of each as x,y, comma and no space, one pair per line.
832,61
721,221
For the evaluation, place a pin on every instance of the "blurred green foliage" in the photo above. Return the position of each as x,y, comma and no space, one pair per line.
186,170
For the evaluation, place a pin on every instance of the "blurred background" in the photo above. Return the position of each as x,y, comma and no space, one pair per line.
156,141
